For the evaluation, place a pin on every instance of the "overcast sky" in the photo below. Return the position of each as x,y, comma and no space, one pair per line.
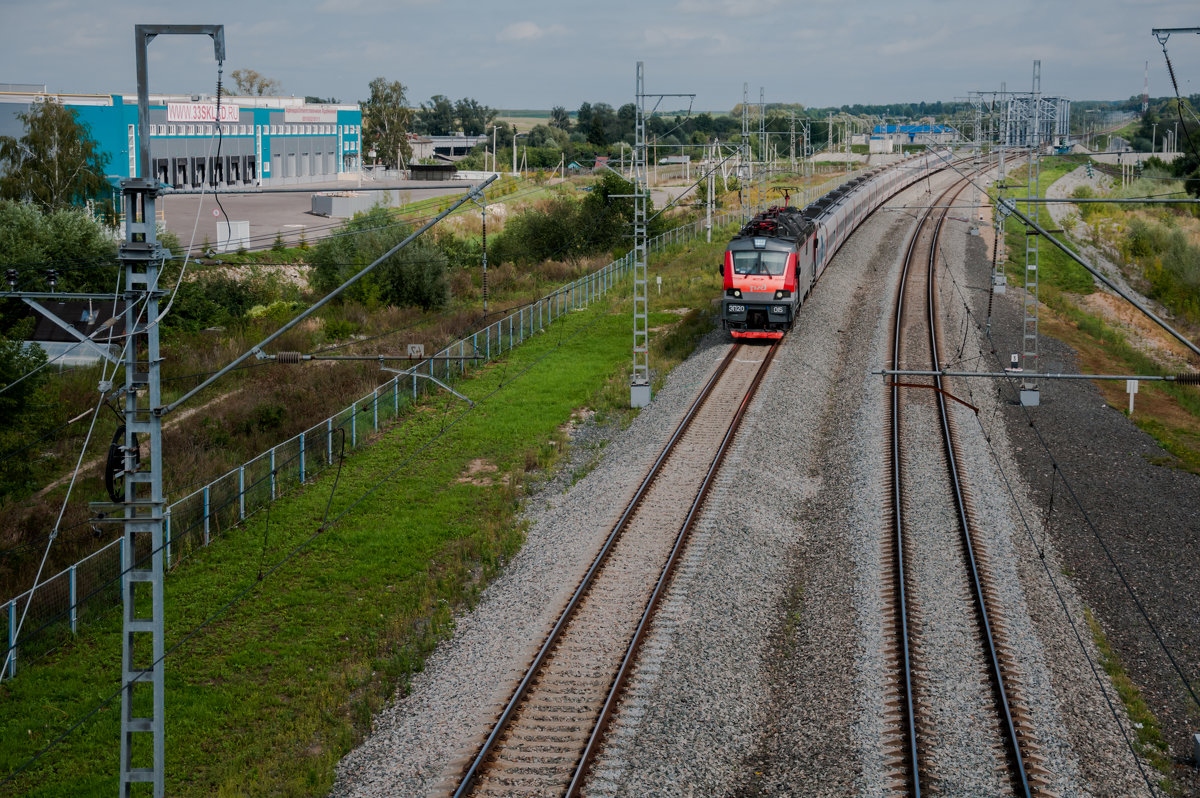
540,53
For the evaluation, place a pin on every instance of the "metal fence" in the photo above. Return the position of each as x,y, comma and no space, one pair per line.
90,587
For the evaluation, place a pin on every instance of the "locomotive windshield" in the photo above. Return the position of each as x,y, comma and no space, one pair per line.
754,262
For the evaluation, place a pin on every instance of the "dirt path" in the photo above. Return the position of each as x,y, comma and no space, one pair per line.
97,462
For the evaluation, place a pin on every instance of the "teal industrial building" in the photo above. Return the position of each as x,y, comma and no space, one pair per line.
265,141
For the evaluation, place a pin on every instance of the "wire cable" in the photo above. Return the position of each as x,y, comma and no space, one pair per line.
296,551
16,633
1096,532
1178,101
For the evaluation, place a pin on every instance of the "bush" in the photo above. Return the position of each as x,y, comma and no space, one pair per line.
1146,239
414,276
23,407
215,300
32,242
568,229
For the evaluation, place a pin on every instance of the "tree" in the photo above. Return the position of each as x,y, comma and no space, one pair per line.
583,119
250,82
414,276
627,117
386,119
56,164
436,117
32,241
596,134
23,409
560,118
313,100
545,136
473,117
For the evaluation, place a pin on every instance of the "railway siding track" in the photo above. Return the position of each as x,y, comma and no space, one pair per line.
915,654
544,738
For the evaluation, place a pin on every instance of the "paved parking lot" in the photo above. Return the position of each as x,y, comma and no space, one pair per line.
287,213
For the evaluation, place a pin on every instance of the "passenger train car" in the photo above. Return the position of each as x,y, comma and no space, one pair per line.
774,261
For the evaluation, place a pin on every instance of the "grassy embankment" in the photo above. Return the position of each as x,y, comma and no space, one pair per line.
268,696
1100,141
1167,411
262,403
1148,735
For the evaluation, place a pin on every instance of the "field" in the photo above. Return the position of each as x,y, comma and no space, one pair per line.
289,632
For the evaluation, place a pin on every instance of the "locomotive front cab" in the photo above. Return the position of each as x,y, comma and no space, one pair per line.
760,288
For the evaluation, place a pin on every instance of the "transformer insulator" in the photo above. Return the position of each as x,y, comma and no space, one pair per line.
1188,379
290,358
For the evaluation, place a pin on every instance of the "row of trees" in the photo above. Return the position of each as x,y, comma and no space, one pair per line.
440,117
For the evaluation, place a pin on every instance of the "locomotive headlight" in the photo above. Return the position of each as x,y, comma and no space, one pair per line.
784,294
733,292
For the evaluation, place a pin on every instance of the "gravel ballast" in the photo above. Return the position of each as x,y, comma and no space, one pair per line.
762,673
1137,505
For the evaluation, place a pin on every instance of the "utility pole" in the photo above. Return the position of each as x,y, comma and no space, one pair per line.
708,205
639,383
483,221
1146,90
762,145
1003,133
141,255
1030,396
744,172
808,167
792,141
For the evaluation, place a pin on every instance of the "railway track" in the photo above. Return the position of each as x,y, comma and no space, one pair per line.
938,526
545,738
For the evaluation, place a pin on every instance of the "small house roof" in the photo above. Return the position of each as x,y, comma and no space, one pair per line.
83,315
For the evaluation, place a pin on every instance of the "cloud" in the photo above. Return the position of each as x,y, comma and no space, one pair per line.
676,36
528,31
728,8
367,7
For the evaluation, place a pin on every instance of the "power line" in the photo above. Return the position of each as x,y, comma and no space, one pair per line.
1092,526
301,547
16,633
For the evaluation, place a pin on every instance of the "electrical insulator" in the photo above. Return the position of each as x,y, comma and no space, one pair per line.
52,278
11,274
288,357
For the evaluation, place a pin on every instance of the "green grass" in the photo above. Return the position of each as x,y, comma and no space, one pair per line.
268,697
1148,736
1059,279
1182,442
1056,271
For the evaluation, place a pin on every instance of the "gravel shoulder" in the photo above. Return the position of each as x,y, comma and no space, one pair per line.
1118,497
451,704
762,673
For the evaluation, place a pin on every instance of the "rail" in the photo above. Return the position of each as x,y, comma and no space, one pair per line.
1016,743
91,586
554,643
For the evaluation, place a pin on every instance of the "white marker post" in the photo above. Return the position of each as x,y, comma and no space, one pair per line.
1131,388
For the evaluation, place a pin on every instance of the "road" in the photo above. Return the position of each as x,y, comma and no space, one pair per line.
272,212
